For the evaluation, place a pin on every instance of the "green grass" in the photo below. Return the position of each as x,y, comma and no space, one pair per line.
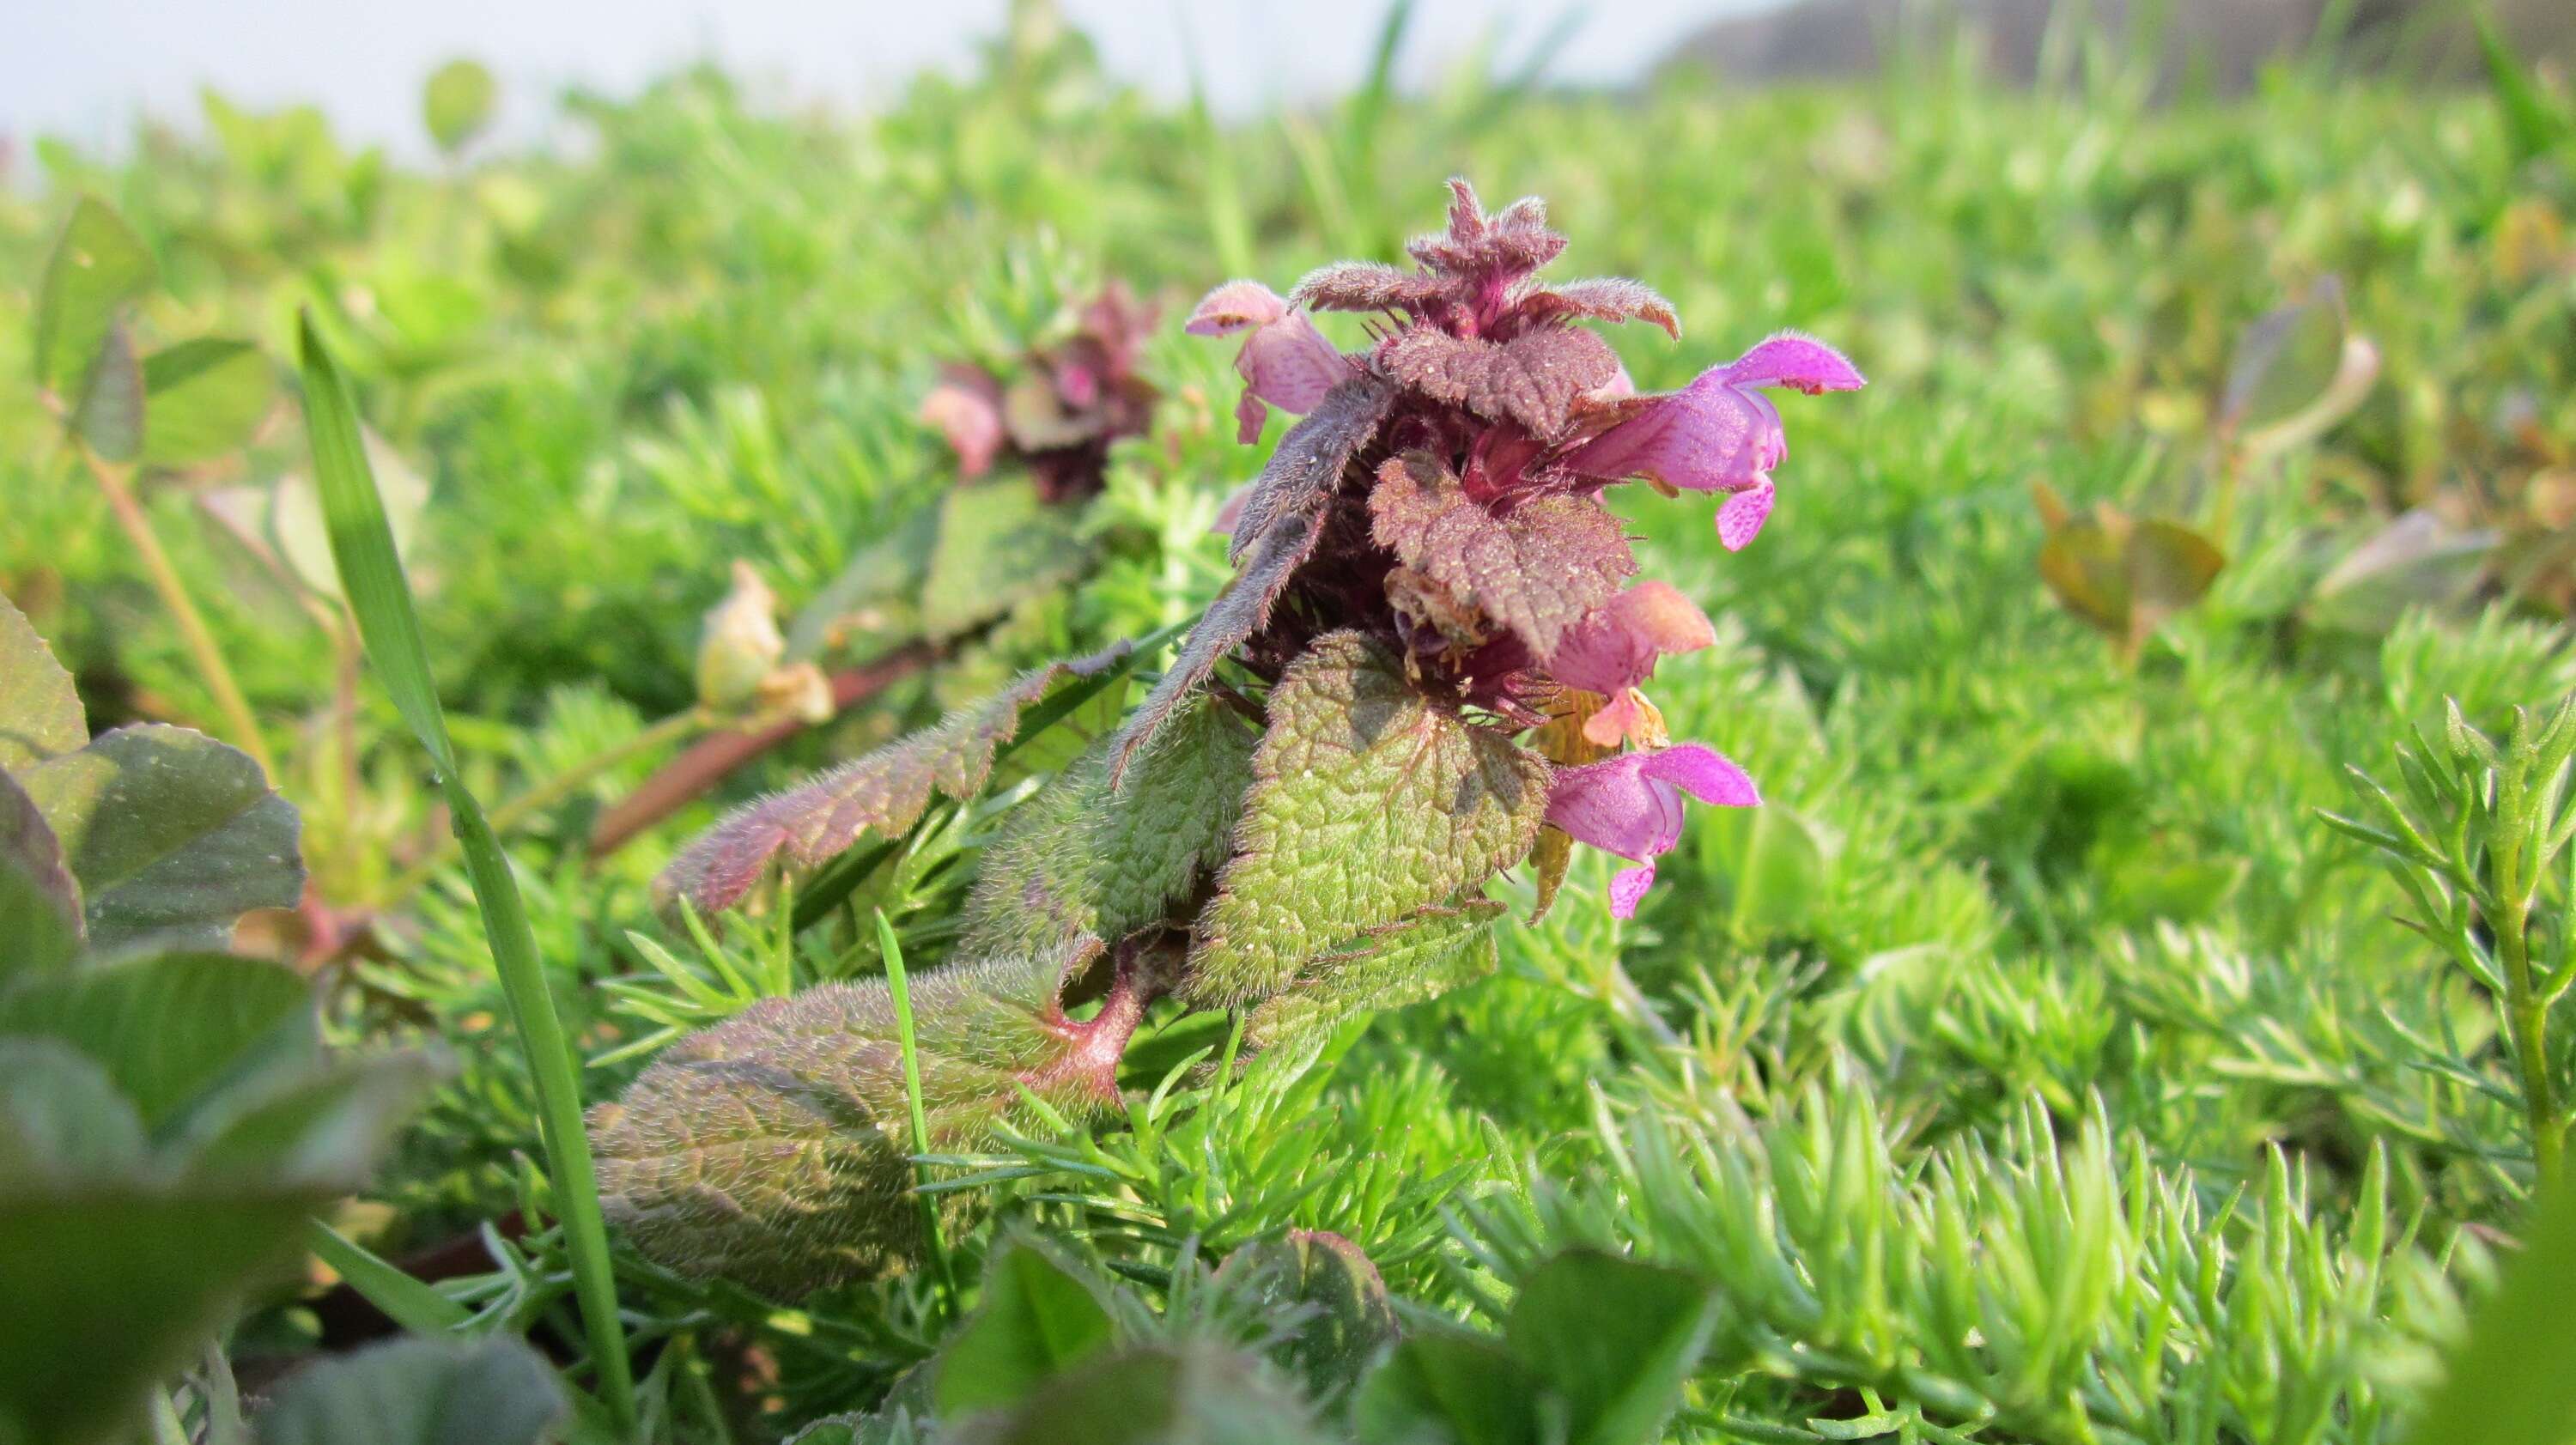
2036,946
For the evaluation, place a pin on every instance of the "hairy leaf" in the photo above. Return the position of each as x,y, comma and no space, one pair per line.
1370,803
1036,1321
1349,1316
1509,242
773,1149
1084,857
172,835
1420,958
1372,286
1307,469
40,909
98,266
883,792
1605,299
205,398
1448,1384
40,709
1240,611
1534,378
1537,570
491,1391
1000,543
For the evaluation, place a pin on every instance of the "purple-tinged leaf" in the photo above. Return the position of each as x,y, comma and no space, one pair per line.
40,907
1514,242
883,792
1307,468
1280,524
1373,286
773,1149
1606,299
1537,570
1370,803
109,414
1534,378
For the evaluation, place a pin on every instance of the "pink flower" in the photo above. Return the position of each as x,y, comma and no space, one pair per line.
966,406
1631,805
1614,648
1720,433
1285,362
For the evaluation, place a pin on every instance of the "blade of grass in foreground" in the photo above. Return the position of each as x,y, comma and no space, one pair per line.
371,575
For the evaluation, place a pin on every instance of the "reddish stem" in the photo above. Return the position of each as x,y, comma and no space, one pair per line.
710,759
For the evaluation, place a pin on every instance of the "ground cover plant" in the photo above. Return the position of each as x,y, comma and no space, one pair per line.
829,778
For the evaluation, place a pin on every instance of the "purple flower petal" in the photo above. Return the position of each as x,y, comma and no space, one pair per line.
1615,646
1290,365
967,410
1627,887
1711,436
1741,519
1797,361
1234,306
1704,773
1631,805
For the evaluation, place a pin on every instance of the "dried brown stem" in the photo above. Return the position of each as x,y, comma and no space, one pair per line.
711,759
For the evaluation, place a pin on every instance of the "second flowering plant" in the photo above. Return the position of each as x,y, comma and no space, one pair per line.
1428,669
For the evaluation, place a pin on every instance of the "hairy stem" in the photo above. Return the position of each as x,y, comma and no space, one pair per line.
711,759
200,642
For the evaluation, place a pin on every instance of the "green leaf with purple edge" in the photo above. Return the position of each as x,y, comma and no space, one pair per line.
40,906
172,835
884,792
773,1149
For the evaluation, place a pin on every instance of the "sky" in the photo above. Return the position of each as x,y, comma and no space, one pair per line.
85,71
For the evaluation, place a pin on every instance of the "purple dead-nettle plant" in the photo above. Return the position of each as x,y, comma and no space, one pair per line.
1057,410
1426,671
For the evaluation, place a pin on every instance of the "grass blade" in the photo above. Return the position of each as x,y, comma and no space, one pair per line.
405,1300
900,987
371,576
